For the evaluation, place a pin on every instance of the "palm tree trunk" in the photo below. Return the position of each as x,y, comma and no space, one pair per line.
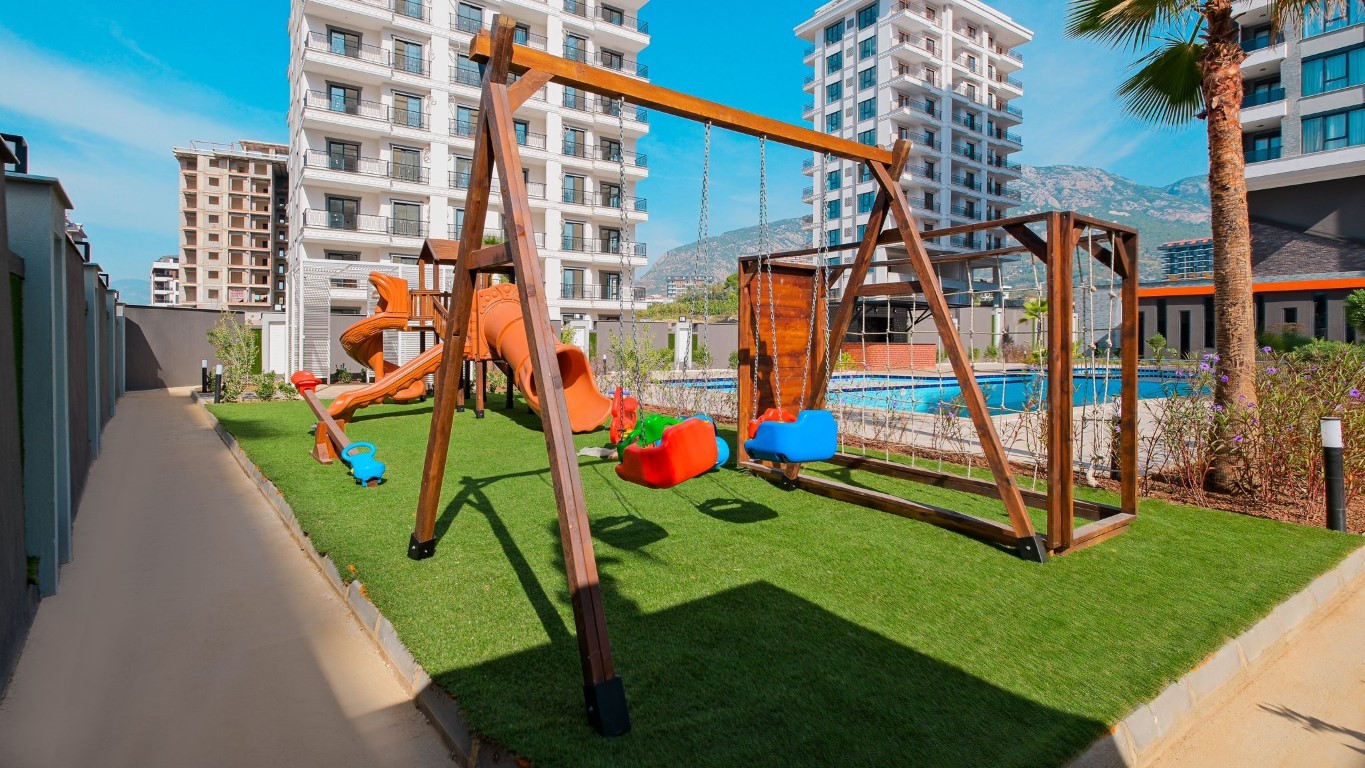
1234,312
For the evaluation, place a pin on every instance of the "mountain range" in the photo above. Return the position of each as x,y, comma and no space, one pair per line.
1177,211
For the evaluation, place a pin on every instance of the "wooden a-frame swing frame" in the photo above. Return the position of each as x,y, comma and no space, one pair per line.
496,148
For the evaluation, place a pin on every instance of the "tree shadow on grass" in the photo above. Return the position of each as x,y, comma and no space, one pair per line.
756,675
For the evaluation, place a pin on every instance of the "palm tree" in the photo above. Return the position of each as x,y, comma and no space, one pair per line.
1194,72
1035,309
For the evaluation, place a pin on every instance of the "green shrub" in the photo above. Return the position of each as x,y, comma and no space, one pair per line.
1322,350
235,344
1283,340
734,359
342,376
267,384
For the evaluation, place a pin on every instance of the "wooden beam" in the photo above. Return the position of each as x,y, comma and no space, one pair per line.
637,91
862,262
1129,352
748,349
490,257
944,518
1036,499
904,288
1100,530
1026,537
580,563
1030,240
1061,249
522,90
448,393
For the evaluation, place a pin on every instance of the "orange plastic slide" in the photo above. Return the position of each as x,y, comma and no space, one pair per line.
498,317
497,323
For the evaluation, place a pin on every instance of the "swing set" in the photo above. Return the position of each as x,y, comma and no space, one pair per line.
790,295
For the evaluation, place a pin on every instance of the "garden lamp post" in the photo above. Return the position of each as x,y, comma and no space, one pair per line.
1333,472
203,377
218,383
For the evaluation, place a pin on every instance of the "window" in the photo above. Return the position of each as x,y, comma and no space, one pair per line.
862,230
521,35
834,62
1333,16
832,238
575,142
834,121
466,71
867,48
864,173
468,18
464,166
611,241
833,180
465,117
341,98
572,235
407,111
342,212
833,209
1334,131
1319,315
867,16
613,15
834,91
612,59
343,155
573,189
865,202
344,43
1265,146
1333,72
576,48
406,219
868,137
408,57
574,99
1184,332
611,195
867,110
522,130
341,256
406,165
867,78
1291,315
457,216
413,9
834,32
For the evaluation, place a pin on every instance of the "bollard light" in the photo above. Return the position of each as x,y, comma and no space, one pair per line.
1333,472
218,383
203,377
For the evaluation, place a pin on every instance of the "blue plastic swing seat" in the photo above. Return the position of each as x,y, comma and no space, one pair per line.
814,436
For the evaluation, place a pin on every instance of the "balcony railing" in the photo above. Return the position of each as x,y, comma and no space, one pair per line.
607,154
1262,155
1000,190
413,9
1267,96
967,65
1008,53
928,14
372,110
617,63
923,204
967,213
965,151
362,222
999,78
585,292
468,24
455,230
966,183
1260,42
924,141
964,241
616,17
409,118
601,245
923,107
470,77
373,54
968,122
413,65
923,172
366,166
1004,135
1000,162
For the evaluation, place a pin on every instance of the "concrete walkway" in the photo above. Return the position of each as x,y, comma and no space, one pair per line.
190,629
1302,706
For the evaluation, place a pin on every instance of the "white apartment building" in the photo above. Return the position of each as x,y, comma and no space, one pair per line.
1303,118
166,281
234,225
384,101
941,74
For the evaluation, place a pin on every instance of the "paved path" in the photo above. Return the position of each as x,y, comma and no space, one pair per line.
190,629
1302,706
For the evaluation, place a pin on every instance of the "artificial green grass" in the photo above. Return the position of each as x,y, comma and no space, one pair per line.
756,626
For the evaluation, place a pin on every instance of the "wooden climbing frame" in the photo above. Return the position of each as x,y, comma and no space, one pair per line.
496,148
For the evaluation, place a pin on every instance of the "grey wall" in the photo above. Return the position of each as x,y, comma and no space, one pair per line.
1331,208
18,598
1275,305
165,344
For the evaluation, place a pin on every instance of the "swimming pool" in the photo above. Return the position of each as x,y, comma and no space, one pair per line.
1005,392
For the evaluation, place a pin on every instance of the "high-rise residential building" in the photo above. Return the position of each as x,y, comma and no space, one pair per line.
941,74
234,225
384,103
166,281
1303,118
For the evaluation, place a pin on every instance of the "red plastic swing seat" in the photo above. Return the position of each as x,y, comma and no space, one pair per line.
686,450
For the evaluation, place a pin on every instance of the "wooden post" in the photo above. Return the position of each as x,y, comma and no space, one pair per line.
1061,250
1029,543
604,694
748,349
423,542
480,387
1126,254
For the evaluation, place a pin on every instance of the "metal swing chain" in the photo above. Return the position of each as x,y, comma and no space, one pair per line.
820,250
703,257
627,289
766,256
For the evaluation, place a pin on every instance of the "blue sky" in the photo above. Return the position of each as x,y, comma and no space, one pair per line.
105,90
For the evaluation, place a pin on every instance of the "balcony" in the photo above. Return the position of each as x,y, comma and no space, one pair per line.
369,110
1000,134
923,172
965,241
1261,41
923,204
612,16
1262,155
966,212
1000,79
966,183
606,154
360,222
617,63
585,292
1002,163
1008,53
969,122
412,9
966,151
1268,96
915,9
469,77
601,245
366,166
373,54
469,24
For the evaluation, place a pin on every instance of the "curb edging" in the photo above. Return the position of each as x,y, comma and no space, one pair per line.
467,747
1141,736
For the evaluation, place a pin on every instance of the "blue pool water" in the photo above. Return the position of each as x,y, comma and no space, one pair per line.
1005,392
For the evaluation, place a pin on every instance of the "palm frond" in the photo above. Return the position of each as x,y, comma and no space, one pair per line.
1166,86
1289,14
1130,23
